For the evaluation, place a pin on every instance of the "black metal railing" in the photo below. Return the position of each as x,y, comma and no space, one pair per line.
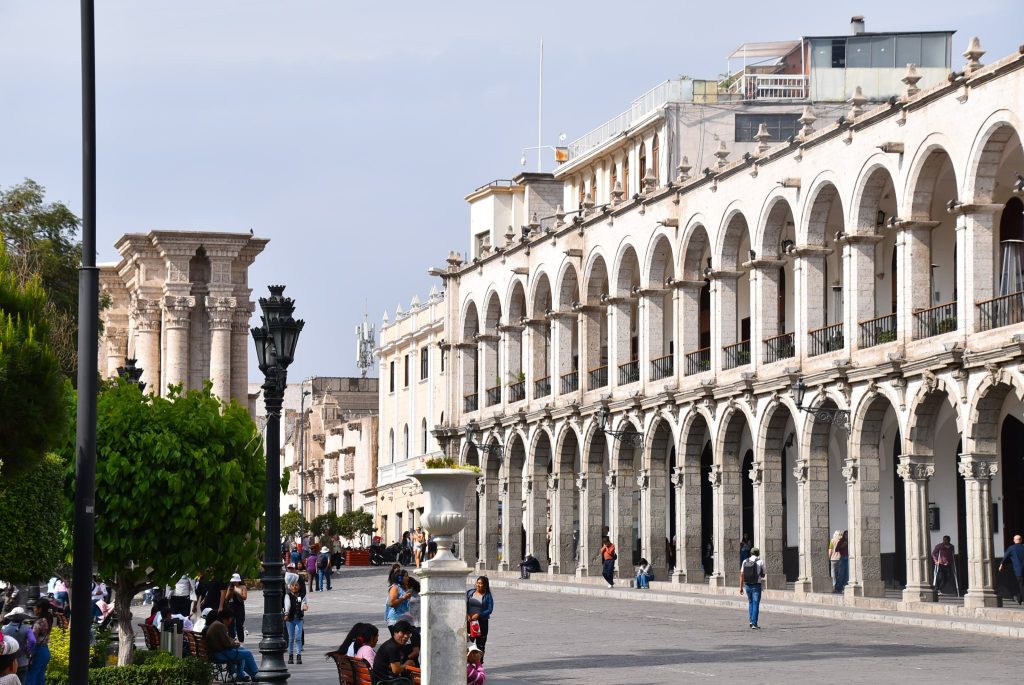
826,339
542,387
493,396
878,331
629,372
780,347
935,320
517,391
570,382
662,367
1005,310
597,378
736,355
698,362
471,402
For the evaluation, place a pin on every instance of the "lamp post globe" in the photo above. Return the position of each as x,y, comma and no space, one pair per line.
799,392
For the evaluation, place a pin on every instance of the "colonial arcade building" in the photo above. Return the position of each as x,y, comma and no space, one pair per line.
874,258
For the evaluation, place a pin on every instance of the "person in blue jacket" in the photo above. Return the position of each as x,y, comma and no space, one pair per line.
1015,554
479,605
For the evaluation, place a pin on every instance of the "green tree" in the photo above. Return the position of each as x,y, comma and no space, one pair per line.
42,241
31,539
324,524
179,489
33,411
292,524
355,524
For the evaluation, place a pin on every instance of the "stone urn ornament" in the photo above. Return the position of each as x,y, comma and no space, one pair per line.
444,511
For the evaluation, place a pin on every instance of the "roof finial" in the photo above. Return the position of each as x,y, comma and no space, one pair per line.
910,79
973,55
684,170
762,137
722,152
857,102
806,121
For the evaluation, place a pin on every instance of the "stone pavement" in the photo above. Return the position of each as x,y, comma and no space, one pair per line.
596,635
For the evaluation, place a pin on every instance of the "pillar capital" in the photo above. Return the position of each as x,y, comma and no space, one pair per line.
801,470
503,485
916,467
610,479
851,471
178,310
481,485
756,473
678,476
552,482
643,479
528,485
715,476
978,466
581,482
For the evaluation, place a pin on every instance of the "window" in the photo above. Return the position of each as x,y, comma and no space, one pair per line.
444,356
780,126
656,158
478,242
593,186
391,445
405,436
642,163
625,174
424,436
408,363
424,362
583,191
614,178
391,376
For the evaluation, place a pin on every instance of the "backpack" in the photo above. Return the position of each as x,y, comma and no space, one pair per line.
751,576
19,631
321,562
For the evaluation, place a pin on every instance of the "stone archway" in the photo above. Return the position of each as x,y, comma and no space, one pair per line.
535,494
734,439
655,496
510,487
624,499
487,498
564,500
769,475
591,485
690,481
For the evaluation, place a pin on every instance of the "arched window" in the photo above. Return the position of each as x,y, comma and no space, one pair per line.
656,159
582,190
424,436
625,175
406,436
391,445
614,178
643,163
593,186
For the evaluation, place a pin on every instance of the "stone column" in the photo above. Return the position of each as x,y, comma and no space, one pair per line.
768,520
222,317
620,497
240,346
116,351
812,505
689,312
177,316
976,235
653,506
562,326
686,480
812,284
917,268
535,491
619,343
591,520
916,470
861,287
512,520
146,325
487,489
726,495
865,545
724,323
764,307
490,372
977,470
561,498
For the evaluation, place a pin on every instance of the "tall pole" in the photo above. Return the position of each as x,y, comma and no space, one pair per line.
88,341
540,108
273,644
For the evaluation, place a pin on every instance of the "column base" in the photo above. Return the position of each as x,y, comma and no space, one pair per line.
920,593
774,582
803,586
980,599
866,589
716,580
683,576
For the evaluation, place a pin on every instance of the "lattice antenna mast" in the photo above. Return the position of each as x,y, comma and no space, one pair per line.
365,344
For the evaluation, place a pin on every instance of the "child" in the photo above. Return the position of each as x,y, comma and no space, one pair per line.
475,674
644,575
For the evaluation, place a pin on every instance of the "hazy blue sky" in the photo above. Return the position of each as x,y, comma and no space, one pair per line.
349,137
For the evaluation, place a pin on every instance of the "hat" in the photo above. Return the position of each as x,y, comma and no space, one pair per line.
474,648
8,646
324,550
290,566
236,578
754,551
404,626
206,611
17,613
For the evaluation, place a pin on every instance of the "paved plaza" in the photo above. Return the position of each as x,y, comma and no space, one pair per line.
553,638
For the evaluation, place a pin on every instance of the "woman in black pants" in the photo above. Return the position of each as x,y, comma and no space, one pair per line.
479,605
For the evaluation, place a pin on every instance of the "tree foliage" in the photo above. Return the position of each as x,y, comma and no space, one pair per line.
355,524
324,524
41,239
33,411
32,535
179,489
292,524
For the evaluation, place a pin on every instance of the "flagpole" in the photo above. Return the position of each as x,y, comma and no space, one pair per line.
540,108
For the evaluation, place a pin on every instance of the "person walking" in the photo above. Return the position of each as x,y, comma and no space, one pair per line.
843,568
1015,555
43,612
314,579
833,559
479,607
323,568
183,595
295,608
608,557
234,601
751,577
942,557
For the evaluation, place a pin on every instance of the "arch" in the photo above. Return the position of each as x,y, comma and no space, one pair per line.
595,276
540,297
823,202
391,445
406,442
626,270
516,306
425,434
775,216
492,313
661,261
470,320
931,160
568,288
696,247
875,179
986,411
924,412
775,511
995,136
733,235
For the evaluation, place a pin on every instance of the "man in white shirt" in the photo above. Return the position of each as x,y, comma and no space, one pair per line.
183,595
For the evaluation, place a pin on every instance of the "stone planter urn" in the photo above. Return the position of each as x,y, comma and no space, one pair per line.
444,513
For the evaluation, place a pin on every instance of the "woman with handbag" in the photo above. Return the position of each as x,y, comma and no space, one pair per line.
608,557
479,606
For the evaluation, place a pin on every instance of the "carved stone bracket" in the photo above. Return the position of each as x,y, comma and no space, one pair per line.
678,476
581,482
850,471
527,486
552,482
643,479
756,473
610,479
801,471
715,476
503,486
481,485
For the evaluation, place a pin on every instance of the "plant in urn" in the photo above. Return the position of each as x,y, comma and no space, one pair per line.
444,516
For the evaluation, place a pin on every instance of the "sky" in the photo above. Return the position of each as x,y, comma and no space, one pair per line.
350,136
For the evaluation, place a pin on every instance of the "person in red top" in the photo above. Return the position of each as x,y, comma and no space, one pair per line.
942,555
608,557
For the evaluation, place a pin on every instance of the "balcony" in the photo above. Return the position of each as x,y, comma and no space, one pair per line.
662,367
780,347
570,382
517,392
878,331
629,372
1000,311
542,387
935,320
736,355
493,396
597,378
698,362
826,339
471,402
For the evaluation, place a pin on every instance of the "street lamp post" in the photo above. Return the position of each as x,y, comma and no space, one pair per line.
626,437
837,417
275,349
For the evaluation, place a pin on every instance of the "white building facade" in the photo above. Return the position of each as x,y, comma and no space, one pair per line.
875,257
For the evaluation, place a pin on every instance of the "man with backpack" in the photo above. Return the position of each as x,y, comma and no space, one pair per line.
20,628
323,568
751,575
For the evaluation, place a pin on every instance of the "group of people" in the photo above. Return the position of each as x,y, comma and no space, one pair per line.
417,546
25,651
319,564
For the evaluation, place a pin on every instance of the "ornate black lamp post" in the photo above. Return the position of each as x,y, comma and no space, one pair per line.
275,349
473,428
627,437
132,373
837,417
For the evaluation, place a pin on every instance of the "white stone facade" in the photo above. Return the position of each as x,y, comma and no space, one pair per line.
414,376
179,305
866,258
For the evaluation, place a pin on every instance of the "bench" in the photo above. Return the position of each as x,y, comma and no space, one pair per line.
353,671
151,635
197,647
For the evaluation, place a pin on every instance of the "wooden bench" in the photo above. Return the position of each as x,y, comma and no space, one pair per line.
353,671
150,635
197,647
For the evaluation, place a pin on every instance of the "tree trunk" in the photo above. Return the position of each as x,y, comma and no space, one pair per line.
124,591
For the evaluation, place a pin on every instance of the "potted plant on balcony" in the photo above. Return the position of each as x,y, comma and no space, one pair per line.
885,336
946,325
444,484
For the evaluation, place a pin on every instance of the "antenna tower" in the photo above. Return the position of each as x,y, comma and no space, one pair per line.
365,344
